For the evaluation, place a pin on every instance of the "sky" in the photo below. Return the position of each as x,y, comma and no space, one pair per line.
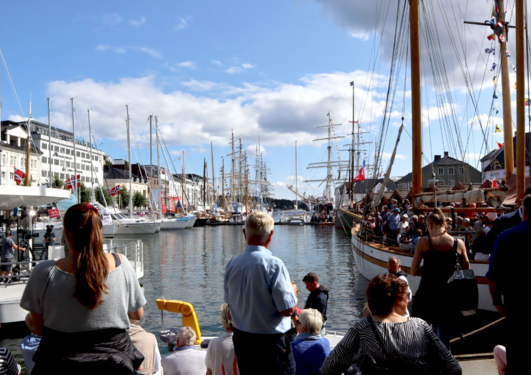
268,71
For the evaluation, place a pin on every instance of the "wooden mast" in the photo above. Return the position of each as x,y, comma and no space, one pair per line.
520,99
416,97
506,96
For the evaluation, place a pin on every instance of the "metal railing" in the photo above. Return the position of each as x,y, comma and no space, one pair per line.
133,250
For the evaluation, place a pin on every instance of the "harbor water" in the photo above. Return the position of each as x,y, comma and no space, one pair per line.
188,265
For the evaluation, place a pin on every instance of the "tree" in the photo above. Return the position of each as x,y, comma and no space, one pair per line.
139,200
57,182
100,198
84,193
124,197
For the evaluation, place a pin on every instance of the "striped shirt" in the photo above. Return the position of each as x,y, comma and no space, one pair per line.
414,337
8,365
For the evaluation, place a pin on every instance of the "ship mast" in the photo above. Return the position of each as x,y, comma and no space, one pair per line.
416,124
28,147
520,99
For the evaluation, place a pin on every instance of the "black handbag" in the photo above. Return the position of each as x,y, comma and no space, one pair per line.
399,363
463,288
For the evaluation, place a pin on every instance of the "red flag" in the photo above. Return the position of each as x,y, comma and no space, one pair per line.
53,213
491,37
115,190
69,184
500,145
361,174
19,176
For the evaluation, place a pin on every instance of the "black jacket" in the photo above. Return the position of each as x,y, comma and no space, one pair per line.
108,351
318,299
502,223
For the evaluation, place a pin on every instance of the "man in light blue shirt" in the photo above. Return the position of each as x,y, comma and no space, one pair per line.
392,222
261,299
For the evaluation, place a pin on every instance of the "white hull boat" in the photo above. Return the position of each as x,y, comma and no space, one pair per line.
170,224
109,230
137,226
371,259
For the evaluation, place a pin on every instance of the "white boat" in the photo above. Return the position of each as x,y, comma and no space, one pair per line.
291,216
134,225
189,220
171,223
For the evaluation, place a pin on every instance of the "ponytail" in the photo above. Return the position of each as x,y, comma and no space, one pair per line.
83,222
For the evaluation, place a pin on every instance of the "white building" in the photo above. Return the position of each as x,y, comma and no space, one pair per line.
14,154
57,156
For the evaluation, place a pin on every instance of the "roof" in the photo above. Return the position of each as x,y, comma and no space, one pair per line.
366,186
444,161
117,174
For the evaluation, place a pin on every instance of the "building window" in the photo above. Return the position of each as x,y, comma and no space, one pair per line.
44,146
450,171
56,161
3,175
44,159
62,150
56,148
96,169
451,183
12,175
4,159
62,176
33,164
461,170
441,171
77,153
44,173
62,163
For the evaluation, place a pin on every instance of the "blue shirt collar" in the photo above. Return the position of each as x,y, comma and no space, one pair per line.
307,336
258,248
179,348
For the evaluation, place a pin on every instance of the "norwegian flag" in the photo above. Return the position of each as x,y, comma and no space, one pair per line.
71,182
115,190
361,174
19,176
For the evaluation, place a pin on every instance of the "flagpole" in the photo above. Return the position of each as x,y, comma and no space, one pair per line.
75,160
50,144
28,147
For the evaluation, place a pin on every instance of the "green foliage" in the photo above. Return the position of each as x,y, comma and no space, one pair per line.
139,200
57,182
100,198
124,197
84,193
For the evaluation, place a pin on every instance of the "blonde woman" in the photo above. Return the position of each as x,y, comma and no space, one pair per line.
309,348
432,302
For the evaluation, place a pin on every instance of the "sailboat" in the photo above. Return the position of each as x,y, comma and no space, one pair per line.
133,225
371,257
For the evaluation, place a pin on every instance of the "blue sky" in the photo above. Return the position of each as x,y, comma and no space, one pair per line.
265,69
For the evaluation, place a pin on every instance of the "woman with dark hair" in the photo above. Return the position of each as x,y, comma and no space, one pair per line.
388,342
439,250
81,304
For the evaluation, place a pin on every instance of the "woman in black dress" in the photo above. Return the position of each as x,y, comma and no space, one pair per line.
432,302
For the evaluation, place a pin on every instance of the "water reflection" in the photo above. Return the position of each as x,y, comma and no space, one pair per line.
189,266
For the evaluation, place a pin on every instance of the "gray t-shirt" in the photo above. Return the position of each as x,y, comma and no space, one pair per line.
50,291
8,252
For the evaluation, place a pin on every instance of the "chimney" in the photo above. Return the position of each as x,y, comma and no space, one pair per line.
446,154
437,157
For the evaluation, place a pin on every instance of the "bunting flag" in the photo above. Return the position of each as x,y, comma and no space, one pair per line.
494,79
496,24
495,96
19,176
490,50
507,53
495,110
361,174
71,182
514,68
500,145
493,67
115,190
498,129
491,37
527,102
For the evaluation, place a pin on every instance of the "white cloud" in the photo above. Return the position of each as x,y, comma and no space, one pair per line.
104,47
248,66
110,19
182,24
217,62
188,65
150,51
233,70
387,155
137,23
199,85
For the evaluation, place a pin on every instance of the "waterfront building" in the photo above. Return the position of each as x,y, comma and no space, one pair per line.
14,154
448,173
118,175
57,154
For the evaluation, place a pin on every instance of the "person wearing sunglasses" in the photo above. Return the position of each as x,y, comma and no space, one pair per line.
81,304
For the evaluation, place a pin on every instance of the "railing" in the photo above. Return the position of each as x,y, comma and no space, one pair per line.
133,250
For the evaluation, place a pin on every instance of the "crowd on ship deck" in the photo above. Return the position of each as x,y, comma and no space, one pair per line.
92,301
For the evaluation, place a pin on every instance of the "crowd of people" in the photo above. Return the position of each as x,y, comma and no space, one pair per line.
92,301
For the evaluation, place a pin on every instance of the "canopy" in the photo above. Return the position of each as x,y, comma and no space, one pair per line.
17,196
